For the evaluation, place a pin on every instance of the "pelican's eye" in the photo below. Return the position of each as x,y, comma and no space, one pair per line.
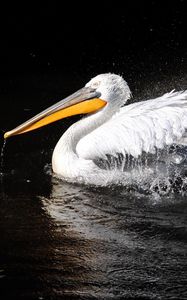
96,84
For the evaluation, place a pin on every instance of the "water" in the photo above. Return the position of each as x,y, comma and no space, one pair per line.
70,241
2,158
1,168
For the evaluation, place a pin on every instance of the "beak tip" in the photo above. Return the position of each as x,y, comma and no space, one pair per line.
6,135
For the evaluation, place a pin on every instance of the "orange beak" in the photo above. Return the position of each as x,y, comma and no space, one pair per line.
84,101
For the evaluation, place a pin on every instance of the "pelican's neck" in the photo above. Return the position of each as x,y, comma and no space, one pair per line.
65,160
78,130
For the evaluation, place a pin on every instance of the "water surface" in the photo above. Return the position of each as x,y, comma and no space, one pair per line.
68,241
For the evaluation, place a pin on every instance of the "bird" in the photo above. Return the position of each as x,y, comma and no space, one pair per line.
111,129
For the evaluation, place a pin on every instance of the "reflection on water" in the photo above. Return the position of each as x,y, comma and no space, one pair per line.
67,241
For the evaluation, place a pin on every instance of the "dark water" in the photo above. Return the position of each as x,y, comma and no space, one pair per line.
68,241
75,242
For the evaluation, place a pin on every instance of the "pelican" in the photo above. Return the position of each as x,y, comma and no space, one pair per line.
110,127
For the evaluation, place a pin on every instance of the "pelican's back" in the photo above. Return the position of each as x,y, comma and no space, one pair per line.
139,127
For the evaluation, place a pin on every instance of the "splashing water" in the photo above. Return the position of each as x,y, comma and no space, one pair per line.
2,158
1,167
162,173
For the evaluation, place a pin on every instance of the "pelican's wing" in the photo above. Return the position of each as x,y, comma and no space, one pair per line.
139,127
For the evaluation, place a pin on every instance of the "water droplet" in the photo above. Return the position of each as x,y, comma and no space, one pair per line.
2,157
177,159
1,167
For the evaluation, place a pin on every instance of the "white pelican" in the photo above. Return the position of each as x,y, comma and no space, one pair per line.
110,128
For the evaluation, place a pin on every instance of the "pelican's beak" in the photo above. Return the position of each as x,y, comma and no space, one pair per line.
85,100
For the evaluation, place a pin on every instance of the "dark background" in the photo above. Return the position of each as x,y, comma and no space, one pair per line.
92,38
50,50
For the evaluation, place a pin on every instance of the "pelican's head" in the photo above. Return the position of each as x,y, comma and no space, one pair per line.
101,90
112,88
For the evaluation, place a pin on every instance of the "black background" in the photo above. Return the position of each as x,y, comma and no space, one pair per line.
48,50
92,38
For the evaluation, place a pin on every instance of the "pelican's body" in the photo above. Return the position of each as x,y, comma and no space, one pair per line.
114,129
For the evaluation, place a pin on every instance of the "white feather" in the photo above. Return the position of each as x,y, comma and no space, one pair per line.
139,127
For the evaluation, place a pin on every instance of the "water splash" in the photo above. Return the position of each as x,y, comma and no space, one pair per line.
2,158
2,166
162,173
